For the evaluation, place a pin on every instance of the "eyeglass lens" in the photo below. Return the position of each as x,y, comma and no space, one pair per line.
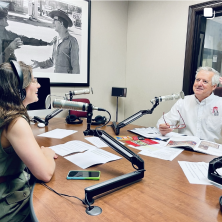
179,126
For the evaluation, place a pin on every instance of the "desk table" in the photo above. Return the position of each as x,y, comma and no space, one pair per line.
164,194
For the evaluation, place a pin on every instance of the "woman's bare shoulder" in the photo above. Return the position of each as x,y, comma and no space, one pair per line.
18,123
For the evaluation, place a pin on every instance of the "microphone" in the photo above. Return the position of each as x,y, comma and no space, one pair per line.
168,97
78,92
64,104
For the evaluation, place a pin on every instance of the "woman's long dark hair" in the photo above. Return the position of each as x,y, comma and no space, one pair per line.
11,105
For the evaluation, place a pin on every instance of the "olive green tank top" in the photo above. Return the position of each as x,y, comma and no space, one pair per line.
14,193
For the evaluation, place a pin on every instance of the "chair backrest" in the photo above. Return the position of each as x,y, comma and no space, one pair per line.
218,91
77,112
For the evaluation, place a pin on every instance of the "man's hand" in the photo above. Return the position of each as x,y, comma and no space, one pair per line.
35,64
16,44
164,129
53,41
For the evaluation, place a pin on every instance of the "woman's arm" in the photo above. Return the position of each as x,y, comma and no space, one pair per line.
40,161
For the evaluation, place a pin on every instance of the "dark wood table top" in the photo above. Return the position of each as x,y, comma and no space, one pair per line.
164,194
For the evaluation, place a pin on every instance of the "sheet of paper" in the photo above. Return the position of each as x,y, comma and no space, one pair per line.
190,141
96,141
162,143
146,132
135,147
160,152
121,142
174,134
58,133
92,157
196,172
72,147
152,132
209,147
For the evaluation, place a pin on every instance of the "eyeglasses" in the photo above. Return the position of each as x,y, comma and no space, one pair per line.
178,126
34,80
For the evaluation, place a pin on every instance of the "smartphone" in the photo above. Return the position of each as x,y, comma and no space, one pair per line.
83,175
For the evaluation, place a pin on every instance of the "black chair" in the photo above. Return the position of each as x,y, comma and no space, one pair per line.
218,91
77,112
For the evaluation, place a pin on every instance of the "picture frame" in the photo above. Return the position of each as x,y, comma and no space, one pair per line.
32,19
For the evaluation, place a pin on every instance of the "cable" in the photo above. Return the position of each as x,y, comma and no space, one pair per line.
61,194
104,123
87,202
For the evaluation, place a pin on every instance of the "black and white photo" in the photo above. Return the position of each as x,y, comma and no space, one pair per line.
51,36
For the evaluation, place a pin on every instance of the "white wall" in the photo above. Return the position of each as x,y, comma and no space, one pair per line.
107,57
139,45
155,55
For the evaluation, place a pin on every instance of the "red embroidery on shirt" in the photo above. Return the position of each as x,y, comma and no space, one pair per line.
215,111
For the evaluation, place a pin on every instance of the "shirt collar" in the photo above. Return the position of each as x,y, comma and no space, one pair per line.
206,100
67,36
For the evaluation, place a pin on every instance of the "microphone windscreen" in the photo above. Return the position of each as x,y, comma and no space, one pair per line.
83,91
71,105
182,94
48,101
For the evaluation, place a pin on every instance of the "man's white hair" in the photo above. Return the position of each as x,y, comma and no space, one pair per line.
216,76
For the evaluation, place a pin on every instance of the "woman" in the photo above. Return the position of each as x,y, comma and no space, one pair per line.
18,147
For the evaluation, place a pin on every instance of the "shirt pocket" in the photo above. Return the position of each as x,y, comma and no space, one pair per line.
214,123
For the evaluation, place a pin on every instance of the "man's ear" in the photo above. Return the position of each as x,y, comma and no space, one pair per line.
214,87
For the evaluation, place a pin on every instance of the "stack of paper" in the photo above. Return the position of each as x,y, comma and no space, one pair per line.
96,141
92,157
159,151
152,132
72,147
194,143
196,173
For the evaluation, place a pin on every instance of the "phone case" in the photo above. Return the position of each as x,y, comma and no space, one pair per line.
84,178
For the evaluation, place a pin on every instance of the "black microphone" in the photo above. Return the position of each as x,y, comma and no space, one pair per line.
64,104
168,97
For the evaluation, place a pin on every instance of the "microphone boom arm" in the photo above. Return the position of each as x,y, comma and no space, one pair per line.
51,115
116,127
118,182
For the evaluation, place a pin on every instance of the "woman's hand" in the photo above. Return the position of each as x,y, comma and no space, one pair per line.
48,151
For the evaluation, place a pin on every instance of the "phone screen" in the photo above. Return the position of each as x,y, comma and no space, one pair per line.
83,174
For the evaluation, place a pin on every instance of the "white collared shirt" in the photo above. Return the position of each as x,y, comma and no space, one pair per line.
203,119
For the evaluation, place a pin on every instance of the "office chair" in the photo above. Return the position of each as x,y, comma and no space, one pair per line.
78,113
218,91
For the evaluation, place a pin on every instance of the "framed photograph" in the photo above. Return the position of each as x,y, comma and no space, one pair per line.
51,36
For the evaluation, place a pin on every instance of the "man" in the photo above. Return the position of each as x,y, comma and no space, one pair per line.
10,41
65,56
201,112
